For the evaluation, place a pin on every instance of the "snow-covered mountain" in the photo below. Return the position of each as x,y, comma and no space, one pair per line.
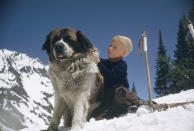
26,93
26,102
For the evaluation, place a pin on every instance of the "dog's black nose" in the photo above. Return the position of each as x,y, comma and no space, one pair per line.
58,47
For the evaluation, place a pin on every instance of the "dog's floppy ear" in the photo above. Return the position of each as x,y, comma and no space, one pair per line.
46,45
83,40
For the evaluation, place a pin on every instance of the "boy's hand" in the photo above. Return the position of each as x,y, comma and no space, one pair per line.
97,60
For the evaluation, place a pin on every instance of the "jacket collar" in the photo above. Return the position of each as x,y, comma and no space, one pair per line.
115,59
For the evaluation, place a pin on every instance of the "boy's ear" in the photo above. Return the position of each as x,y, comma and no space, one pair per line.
124,53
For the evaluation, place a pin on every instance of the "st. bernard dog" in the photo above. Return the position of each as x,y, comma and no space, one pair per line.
74,75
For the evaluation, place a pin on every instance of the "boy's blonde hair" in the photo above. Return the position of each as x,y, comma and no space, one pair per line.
126,42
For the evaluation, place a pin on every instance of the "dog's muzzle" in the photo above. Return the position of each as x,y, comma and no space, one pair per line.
59,51
62,50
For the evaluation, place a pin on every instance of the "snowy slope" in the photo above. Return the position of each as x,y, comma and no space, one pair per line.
174,119
26,94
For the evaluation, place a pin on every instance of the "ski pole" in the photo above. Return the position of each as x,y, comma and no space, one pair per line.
190,26
143,44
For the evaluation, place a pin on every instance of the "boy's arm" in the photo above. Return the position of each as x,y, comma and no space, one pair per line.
116,71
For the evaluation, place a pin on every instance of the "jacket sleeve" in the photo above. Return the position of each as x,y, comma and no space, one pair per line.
115,71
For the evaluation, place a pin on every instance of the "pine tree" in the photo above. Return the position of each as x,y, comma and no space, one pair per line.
172,78
133,88
162,69
184,59
182,49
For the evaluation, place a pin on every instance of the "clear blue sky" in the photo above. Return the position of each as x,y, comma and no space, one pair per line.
24,25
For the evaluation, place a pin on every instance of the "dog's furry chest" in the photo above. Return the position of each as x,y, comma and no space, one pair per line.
66,79
72,75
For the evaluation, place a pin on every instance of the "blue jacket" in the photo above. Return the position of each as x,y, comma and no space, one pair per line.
114,73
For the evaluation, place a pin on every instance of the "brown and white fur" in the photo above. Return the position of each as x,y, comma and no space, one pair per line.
74,75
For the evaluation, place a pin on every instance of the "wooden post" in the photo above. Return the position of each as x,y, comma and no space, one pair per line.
190,26
143,44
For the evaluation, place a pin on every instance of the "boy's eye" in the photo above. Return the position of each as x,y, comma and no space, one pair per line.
114,47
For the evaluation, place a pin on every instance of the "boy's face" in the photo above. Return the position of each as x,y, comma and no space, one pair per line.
115,49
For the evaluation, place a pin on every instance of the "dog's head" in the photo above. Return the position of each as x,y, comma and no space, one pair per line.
63,43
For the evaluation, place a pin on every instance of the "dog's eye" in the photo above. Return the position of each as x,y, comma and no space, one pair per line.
55,39
67,38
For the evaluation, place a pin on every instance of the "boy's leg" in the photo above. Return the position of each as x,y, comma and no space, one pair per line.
103,111
124,97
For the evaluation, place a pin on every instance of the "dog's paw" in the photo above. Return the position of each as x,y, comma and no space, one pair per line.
52,128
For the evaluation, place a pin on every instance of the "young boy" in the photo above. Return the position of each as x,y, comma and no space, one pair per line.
114,71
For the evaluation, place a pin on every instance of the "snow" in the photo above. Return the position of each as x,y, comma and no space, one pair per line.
3,128
18,61
174,119
33,86
33,83
184,96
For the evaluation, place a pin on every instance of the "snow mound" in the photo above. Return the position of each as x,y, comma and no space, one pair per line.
183,96
174,119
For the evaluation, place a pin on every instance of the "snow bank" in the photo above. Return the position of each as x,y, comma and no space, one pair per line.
183,96
174,119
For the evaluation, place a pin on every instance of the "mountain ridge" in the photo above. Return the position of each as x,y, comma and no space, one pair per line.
26,93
